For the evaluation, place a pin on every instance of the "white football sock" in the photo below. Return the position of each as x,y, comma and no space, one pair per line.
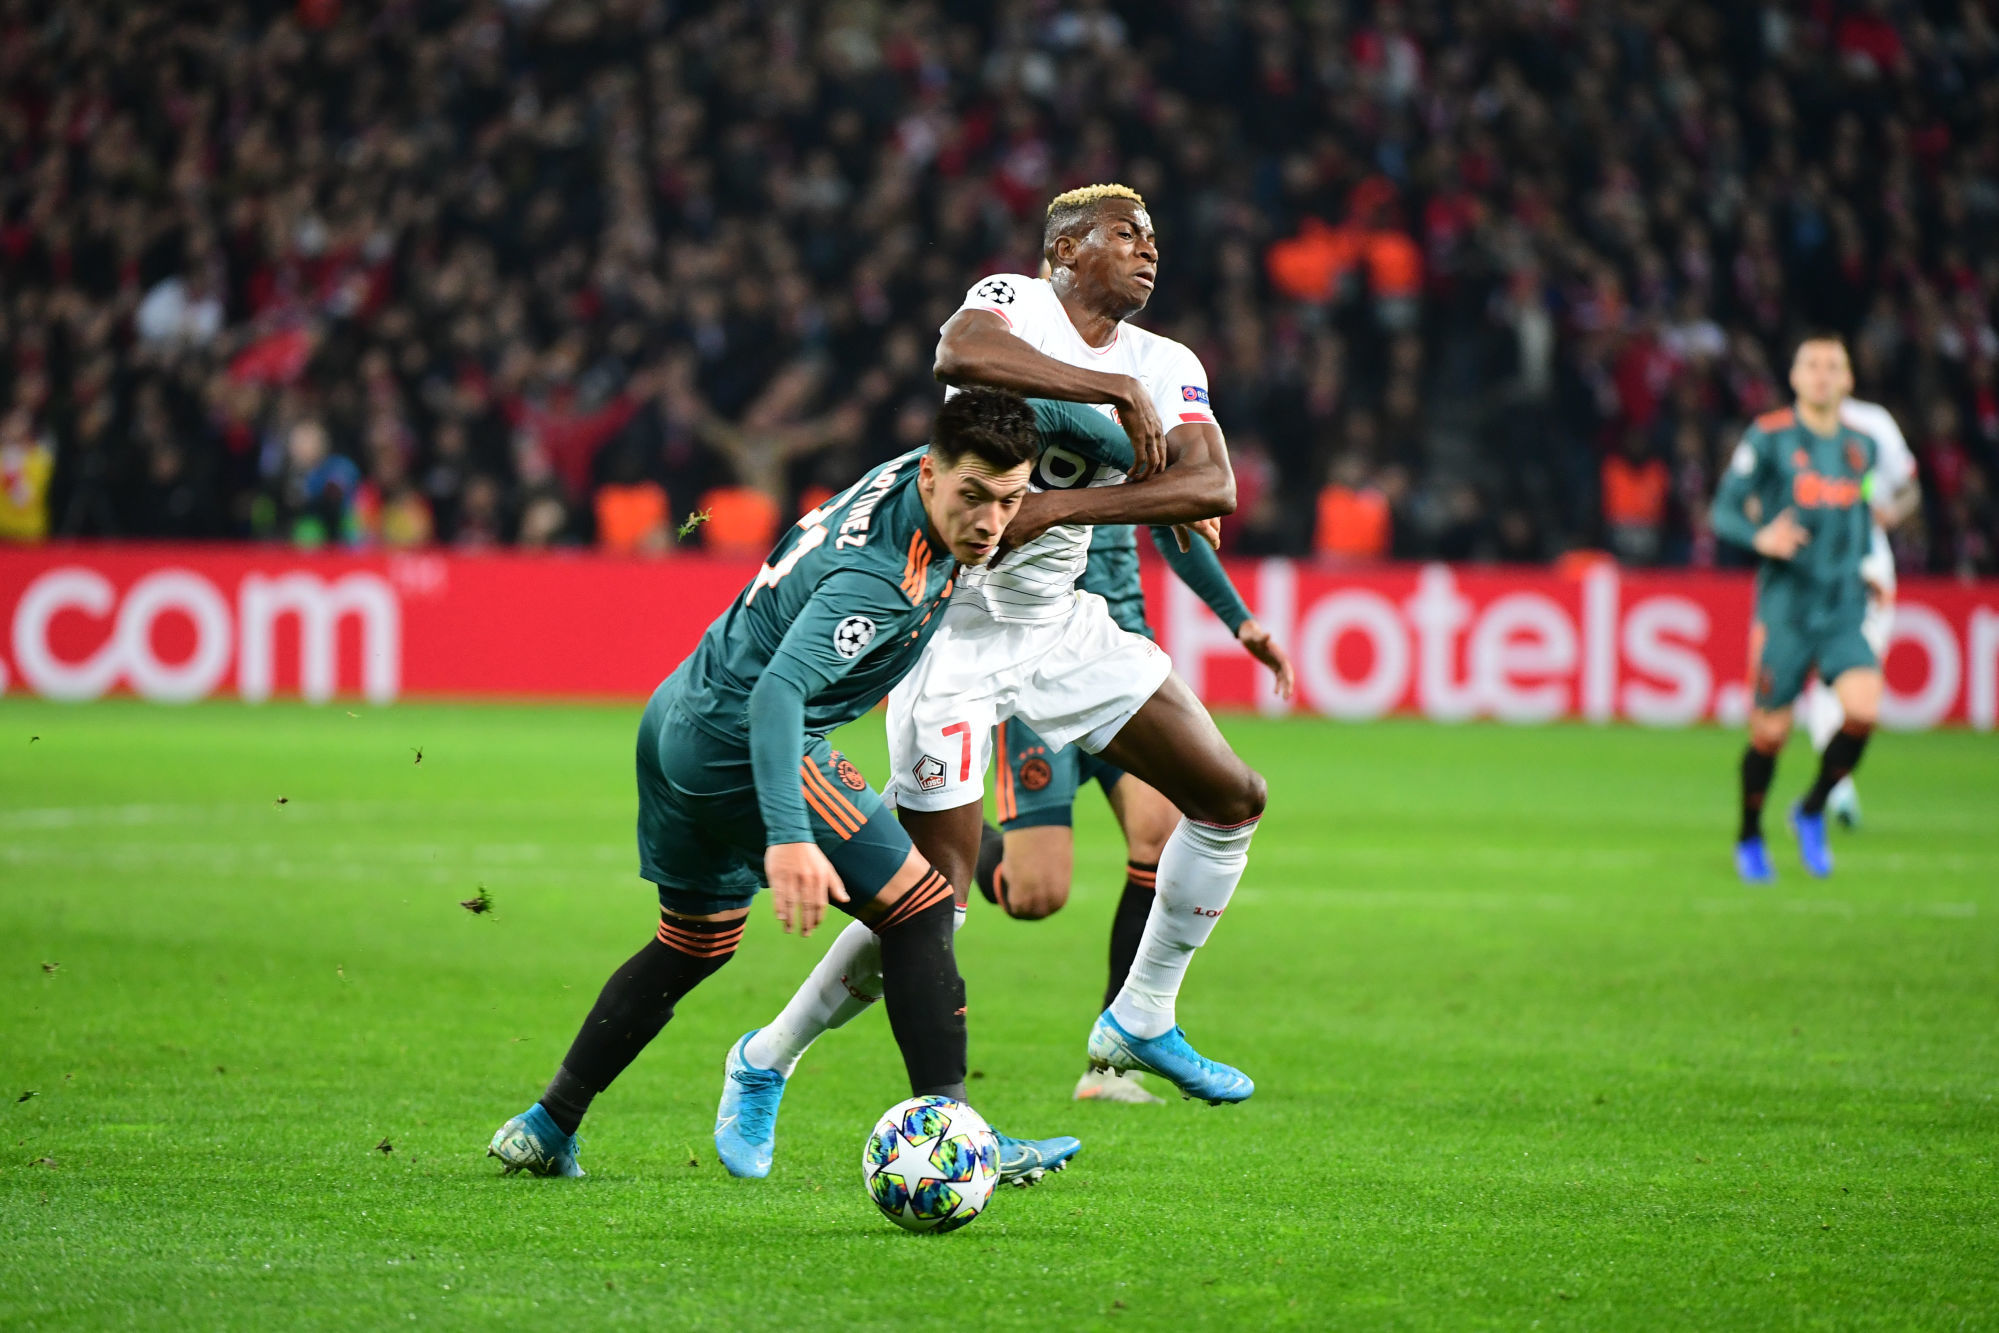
845,982
1823,715
1198,872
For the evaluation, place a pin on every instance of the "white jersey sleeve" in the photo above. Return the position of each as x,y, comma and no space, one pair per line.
1893,461
1028,305
1178,384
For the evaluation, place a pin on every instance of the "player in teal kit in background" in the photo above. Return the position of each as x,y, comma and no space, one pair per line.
1025,865
738,786
1797,492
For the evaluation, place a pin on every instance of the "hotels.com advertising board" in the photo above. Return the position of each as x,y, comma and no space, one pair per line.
177,624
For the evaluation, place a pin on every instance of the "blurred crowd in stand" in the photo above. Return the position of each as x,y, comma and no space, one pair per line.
1491,280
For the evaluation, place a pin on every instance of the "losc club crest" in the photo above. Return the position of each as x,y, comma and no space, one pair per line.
929,773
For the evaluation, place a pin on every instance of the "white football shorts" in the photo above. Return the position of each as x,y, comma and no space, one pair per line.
1877,570
1076,680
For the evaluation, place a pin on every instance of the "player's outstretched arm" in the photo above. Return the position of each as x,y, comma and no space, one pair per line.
977,347
1201,569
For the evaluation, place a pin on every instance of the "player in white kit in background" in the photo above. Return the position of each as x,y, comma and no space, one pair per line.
1895,470
1020,640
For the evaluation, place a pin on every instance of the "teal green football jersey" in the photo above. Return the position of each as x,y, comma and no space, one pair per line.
842,609
1826,482
850,597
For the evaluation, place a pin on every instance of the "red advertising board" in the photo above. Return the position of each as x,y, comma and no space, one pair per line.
185,623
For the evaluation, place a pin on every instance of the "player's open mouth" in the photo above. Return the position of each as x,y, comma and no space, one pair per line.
1144,275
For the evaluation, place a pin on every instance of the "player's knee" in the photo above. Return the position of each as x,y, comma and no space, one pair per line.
1032,897
1862,716
1768,731
1247,798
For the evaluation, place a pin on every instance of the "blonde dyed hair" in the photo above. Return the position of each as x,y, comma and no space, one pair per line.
1078,207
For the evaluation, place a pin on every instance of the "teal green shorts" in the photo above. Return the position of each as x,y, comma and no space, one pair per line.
1038,786
1783,656
701,829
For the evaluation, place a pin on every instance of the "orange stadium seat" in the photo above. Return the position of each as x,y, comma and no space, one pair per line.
633,516
1354,523
741,520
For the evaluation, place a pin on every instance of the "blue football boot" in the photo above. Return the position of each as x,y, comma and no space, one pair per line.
531,1142
1813,849
1169,1056
746,1118
1752,861
1023,1162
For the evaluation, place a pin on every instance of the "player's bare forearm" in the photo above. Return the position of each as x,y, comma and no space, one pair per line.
1900,505
1197,484
978,348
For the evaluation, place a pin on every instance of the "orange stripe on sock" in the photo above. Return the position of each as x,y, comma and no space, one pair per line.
913,904
699,944
928,892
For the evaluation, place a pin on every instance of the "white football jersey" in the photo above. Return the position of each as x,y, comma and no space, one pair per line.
1894,465
1034,582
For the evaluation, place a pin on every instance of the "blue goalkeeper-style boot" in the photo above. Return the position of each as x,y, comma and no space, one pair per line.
746,1117
1752,862
1813,849
531,1142
1171,1057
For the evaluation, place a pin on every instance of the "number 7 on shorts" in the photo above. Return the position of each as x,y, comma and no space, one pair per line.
963,731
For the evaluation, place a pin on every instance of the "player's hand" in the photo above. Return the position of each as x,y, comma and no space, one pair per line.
1256,639
801,882
1028,522
1782,537
1141,423
1208,530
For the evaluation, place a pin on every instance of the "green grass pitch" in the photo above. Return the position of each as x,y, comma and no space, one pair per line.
1525,1052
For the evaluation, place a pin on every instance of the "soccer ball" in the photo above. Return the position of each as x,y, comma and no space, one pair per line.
930,1164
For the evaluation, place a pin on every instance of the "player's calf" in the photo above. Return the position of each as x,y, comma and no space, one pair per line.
630,1011
922,990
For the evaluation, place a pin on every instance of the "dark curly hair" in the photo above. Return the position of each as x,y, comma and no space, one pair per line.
996,426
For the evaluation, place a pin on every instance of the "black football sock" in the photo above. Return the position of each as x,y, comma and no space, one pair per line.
633,1006
922,990
1757,770
987,874
1128,926
1841,757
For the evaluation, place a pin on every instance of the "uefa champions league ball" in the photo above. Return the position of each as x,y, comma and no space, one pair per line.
930,1164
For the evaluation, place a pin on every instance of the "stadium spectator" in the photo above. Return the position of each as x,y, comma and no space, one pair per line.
719,238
